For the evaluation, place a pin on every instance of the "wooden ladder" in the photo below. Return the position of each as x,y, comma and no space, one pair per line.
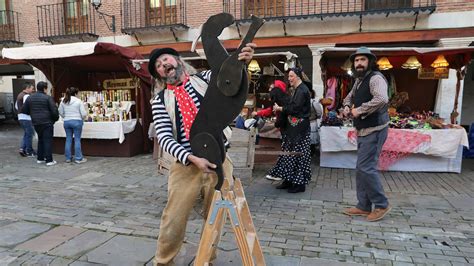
230,203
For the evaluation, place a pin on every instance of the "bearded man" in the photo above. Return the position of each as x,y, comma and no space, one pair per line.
368,104
174,110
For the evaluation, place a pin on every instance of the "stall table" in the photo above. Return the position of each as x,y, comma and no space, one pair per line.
443,153
119,139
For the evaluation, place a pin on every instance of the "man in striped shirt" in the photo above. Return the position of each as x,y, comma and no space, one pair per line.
368,103
174,110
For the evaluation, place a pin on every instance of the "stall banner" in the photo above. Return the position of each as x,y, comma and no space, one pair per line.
433,73
119,84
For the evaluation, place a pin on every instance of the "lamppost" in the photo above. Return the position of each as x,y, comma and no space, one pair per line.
96,4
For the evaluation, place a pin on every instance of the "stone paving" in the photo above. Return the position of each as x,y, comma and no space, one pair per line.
106,212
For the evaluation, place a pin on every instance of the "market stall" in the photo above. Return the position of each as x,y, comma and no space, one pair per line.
419,139
116,93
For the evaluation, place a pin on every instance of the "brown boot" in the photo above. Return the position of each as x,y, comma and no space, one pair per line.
355,212
378,214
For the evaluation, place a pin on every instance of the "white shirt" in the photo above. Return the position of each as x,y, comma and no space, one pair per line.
74,110
20,115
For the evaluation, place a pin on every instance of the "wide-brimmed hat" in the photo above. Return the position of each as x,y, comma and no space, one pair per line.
155,54
362,51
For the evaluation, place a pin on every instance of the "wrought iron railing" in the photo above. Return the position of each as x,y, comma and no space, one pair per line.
65,19
9,26
281,9
152,14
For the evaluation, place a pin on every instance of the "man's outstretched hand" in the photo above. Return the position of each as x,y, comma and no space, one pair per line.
246,54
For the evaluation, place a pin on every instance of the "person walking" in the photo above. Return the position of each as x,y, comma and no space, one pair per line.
295,170
44,114
72,110
26,146
278,95
174,110
367,102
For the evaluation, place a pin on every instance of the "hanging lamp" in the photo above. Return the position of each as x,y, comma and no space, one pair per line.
440,62
347,65
411,63
253,66
384,64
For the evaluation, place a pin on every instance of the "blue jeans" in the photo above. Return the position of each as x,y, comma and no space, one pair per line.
27,141
369,187
73,127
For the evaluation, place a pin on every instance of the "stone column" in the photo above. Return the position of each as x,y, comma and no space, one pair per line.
40,76
447,87
316,50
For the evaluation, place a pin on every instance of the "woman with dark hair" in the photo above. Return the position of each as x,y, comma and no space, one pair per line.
295,169
72,110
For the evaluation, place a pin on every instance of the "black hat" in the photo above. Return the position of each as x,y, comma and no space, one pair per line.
155,54
298,71
363,51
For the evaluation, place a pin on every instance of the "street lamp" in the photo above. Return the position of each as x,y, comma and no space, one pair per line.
96,4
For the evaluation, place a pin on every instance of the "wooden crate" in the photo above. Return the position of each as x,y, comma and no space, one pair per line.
241,152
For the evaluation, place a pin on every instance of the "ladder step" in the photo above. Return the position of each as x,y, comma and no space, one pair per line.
239,202
251,240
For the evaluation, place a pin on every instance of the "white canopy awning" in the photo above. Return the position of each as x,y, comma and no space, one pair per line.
49,51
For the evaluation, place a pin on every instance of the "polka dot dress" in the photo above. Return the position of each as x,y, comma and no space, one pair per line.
294,168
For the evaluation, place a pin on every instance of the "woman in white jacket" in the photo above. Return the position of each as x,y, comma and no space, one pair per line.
72,110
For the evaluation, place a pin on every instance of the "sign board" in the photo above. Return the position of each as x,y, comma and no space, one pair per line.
119,84
433,73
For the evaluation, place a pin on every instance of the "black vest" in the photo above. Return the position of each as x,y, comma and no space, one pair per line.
363,95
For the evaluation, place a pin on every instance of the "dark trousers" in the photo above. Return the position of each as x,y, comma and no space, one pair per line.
369,187
45,142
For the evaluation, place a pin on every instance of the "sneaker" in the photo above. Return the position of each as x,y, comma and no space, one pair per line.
68,161
22,153
355,212
275,178
51,163
83,160
33,154
40,161
378,214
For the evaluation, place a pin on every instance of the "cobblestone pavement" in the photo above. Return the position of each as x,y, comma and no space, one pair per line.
107,211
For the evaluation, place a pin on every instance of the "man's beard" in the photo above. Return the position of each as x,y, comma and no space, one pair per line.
178,71
358,73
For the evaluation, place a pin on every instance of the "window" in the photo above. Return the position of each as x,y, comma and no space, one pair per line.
264,8
77,8
76,16
158,3
5,6
387,4
161,12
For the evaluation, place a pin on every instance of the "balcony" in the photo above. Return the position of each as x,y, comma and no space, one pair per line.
9,29
139,16
306,9
66,22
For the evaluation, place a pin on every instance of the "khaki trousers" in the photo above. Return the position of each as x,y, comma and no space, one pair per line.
185,183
